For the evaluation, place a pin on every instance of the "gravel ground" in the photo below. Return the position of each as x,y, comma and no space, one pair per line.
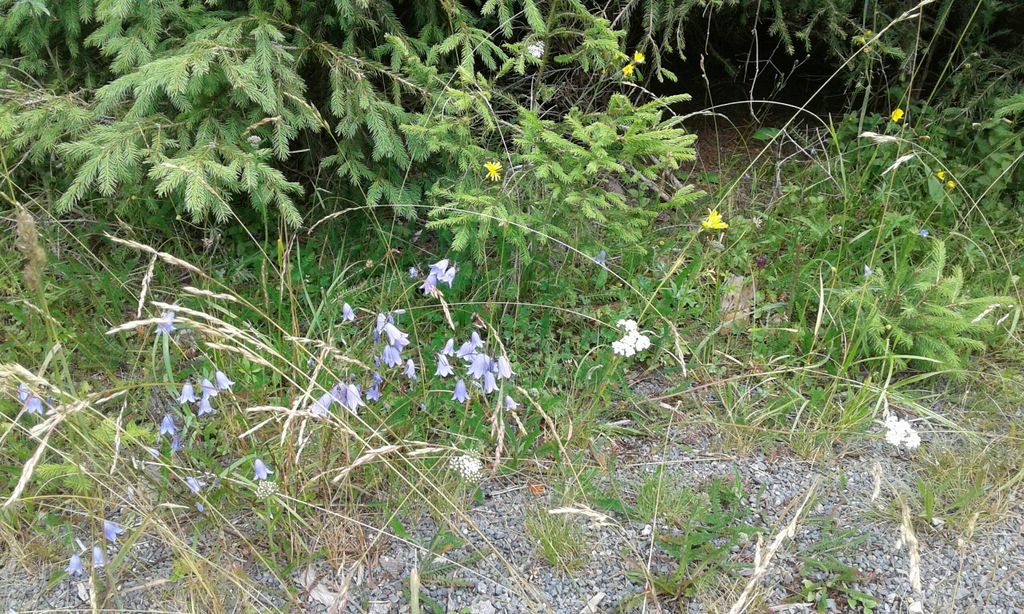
985,575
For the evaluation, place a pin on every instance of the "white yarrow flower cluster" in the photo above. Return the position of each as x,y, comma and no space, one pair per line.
898,432
633,342
469,467
266,489
536,49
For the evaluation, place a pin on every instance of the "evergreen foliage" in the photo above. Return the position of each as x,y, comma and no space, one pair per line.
210,108
920,316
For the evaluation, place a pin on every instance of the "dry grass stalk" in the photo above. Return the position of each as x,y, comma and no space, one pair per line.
425,450
878,138
208,294
248,354
132,325
908,538
307,394
365,458
444,306
498,432
27,470
230,333
876,474
169,259
597,519
191,312
30,247
762,560
680,355
43,430
146,280
215,327
547,419
335,354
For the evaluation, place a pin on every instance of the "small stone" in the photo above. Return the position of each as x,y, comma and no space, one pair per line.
484,606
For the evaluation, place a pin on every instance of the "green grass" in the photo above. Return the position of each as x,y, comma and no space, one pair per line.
560,542
768,336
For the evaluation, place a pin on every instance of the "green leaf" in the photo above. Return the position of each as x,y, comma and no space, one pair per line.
765,134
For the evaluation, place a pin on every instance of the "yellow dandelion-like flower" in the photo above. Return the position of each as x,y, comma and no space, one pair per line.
627,70
941,175
638,57
868,34
950,184
493,170
896,115
714,221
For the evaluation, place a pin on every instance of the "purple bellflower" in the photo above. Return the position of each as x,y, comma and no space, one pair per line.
460,393
479,365
504,368
194,484
490,385
209,390
167,427
353,397
322,406
166,325
34,405
444,368
391,356
75,566
223,382
204,406
188,394
111,531
449,348
260,470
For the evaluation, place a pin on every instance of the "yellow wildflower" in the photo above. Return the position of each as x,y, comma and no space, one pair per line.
493,170
868,34
950,184
714,221
627,70
638,57
941,175
897,114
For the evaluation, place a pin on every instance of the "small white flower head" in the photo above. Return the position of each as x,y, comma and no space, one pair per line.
633,342
536,49
469,467
627,325
266,489
898,432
